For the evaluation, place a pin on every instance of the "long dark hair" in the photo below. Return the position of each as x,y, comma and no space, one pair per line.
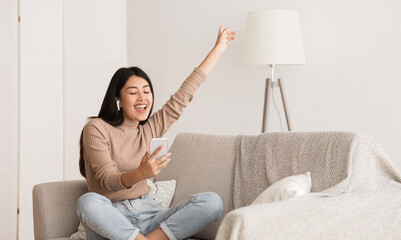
109,112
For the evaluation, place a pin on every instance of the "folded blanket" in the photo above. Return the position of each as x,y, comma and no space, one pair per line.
357,190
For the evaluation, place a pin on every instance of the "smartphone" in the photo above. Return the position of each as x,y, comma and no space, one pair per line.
155,143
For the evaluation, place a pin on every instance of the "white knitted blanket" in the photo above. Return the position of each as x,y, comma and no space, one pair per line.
357,190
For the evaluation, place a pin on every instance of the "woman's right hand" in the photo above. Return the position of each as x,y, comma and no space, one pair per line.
151,167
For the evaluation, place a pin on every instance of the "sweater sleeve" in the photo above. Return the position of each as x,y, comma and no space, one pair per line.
171,111
97,155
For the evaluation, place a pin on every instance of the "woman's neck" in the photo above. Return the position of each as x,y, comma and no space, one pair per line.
130,123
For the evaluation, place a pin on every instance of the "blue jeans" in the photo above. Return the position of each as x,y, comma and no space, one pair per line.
103,219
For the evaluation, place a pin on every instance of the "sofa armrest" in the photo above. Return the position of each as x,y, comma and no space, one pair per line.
54,208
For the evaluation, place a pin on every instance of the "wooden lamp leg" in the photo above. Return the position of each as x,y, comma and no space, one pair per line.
266,105
287,116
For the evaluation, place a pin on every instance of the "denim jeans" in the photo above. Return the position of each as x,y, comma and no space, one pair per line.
103,219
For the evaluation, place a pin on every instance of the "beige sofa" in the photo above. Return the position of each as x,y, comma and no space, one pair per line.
352,172
199,163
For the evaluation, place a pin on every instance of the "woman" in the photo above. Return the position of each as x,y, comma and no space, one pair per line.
115,160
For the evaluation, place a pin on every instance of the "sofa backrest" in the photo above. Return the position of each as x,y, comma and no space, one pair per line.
54,204
201,163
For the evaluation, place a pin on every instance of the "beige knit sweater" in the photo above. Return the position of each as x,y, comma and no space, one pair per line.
110,151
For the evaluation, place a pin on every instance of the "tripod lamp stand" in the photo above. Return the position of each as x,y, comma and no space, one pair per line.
273,38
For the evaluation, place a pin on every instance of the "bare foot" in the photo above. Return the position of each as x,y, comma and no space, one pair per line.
140,237
157,234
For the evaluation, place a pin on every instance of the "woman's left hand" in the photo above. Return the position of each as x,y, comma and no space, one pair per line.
224,38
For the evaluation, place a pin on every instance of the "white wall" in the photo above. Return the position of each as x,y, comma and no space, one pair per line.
9,118
41,96
351,80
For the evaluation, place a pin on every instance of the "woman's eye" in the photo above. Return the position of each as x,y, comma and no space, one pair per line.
146,92
133,93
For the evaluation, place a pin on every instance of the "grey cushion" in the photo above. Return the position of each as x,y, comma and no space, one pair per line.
54,208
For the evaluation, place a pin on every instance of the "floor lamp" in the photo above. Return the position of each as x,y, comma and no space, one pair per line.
273,38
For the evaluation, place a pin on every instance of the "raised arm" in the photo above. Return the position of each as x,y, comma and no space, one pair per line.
161,120
223,40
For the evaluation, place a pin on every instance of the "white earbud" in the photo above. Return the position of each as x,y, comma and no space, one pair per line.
118,105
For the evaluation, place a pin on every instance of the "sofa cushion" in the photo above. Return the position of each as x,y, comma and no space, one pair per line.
163,191
201,163
286,188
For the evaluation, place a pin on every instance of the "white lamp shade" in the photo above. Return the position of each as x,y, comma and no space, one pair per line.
273,37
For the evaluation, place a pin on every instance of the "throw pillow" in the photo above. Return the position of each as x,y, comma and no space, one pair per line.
81,234
286,188
162,191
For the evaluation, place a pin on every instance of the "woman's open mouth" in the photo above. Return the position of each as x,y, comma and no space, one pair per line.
140,108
